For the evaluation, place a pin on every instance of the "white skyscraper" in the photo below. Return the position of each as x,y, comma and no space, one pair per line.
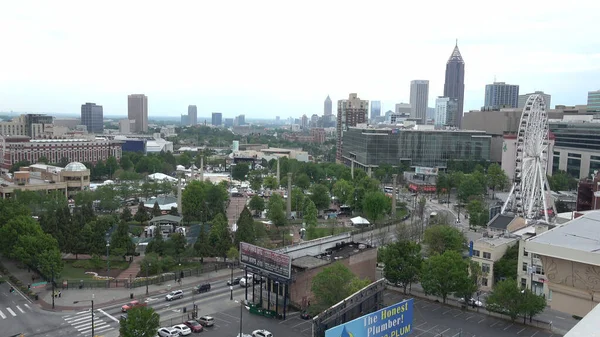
419,95
445,111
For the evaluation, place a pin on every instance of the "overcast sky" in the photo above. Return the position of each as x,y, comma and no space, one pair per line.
269,58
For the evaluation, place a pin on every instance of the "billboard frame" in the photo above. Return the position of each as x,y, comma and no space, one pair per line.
266,261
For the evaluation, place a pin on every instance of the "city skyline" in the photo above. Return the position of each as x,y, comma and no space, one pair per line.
42,73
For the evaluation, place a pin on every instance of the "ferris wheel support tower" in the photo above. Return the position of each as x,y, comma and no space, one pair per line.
527,196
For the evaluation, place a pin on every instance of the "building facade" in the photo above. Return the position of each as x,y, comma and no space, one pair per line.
501,95
192,114
509,155
137,111
375,109
14,149
593,101
351,111
445,111
328,107
368,148
217,119
30,125
454,83
486,251
419,97
576,149
402,108
523,99
92,117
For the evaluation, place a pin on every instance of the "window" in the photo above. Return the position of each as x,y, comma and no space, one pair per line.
574,155
523,283
525,253
484,281
485,267
524,266
538,270
487,255
475,253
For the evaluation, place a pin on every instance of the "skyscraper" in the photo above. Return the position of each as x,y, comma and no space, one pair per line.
137,111
192,114
327,109
419,95
350,112
454,84
92,117
375,109
445,111
523,99
217,119
501,95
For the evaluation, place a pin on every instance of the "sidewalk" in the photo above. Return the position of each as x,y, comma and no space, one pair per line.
111,296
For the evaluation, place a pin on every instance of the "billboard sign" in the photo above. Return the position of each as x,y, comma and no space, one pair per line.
393,321
266,260
430,171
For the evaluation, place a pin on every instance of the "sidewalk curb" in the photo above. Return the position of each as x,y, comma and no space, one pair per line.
43,305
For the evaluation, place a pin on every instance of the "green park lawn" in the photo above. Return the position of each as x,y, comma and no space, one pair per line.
75,269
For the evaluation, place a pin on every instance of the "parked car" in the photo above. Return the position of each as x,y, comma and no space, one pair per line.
174,295
305,315
472,302
261,333
182,329
235,281
206,321
194,326
132,304
168,332
203,288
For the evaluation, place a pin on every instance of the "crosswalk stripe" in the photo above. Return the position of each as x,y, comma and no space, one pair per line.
79,318
2,315
11,312
89,328
28,307
21,310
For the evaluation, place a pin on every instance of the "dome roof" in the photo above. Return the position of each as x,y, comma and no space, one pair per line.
75,166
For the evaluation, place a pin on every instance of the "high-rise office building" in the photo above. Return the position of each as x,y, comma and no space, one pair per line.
217,119
375,109
593,101
445,111
402,108
327,108
193,114
137,111
185,120
92,117
523,99
419,96
454,83
501,95
350,112
241,120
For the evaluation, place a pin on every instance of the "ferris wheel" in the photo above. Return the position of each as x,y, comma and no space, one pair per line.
527,196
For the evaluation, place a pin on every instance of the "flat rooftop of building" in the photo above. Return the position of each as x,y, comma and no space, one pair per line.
580,234
333,254
496,241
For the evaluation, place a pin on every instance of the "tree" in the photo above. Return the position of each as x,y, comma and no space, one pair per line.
443,274
442,184
275,210
156,210
245,228
506,298
310,218
440,239
506,267
478,214
239,171
142,214
298,199
376,205
469,187
320,196
257,204
403,262
233,254
270,182
562,181
126,214
469,283
219,237
111,166
176,245
343,191
255,180
302,181
533,304
120,242
497,178
201,246
333,284
140,322
157,245
421,207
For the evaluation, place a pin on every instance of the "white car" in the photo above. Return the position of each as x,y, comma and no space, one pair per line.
261,333
472,302
168,332
182,329
173,295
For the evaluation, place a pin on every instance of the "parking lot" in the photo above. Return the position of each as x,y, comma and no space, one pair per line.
432,319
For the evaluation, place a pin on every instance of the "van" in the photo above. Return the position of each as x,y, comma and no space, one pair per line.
206,321
203,288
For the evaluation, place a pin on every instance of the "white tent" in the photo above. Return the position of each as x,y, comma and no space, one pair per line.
161,177
359,221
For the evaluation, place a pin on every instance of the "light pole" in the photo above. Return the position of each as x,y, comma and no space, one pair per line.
52,268
147,267
241,302
92,300
231,285
107,258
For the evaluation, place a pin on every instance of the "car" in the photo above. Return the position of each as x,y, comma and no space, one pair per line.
168,332
472,302
235,281
243,282
206,321
203,288
243,335
261,333
183,329
305,315
174,295
194,326
131,305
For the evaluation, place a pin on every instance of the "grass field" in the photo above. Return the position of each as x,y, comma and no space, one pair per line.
72,270
326,231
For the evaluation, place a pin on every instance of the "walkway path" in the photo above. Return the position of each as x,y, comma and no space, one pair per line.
132,271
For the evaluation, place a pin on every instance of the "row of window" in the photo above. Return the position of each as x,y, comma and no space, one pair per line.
486,255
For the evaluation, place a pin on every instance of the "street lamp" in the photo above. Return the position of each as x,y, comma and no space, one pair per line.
107,257
231,285
92,300
241,302
147,267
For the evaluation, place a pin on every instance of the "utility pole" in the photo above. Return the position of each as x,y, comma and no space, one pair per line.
52,268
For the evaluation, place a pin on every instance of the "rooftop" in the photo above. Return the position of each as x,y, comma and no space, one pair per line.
579,234
331,255
496,241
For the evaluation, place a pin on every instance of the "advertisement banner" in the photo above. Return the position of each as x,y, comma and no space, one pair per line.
431,171
266,260
393,321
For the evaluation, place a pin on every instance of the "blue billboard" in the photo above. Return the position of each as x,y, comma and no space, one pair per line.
393,321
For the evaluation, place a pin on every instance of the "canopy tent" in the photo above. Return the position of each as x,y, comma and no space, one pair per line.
161,177
359,221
